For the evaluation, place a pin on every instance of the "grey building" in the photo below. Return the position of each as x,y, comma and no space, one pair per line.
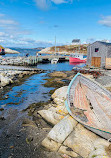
75,41
99,54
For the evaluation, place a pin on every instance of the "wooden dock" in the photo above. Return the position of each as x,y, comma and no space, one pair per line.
34,60
31,60
18,68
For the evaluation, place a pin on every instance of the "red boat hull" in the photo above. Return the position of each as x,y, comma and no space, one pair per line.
76,60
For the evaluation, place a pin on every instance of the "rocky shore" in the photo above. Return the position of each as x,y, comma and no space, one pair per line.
66,136
8,77
65,49
48,130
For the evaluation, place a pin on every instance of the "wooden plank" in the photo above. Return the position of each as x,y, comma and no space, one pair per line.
96,61
108,63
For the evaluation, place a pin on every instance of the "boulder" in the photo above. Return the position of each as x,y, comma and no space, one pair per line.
99,153
26,122
101,149
70,137
61,130
51,116
62,110
59,96
100,143
81,141
58,74
95,156
5,80
51,144
68,151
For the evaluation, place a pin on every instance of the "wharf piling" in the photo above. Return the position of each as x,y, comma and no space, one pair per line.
31,60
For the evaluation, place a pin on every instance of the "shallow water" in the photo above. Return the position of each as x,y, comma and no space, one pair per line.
64,66
32,89
23,52
29,91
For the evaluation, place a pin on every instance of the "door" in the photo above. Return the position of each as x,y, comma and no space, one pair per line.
96,61
108,63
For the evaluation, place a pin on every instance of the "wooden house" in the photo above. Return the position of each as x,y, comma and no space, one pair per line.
2,50
99,54
75,42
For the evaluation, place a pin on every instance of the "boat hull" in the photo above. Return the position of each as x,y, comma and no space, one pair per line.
93,113
76,60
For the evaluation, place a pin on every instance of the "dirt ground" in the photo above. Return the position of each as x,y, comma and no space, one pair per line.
20,137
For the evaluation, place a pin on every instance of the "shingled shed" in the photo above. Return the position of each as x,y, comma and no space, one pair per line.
99,54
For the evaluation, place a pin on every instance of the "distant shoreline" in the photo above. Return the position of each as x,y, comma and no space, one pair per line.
11,51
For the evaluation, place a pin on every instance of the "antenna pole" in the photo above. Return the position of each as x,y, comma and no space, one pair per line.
55,44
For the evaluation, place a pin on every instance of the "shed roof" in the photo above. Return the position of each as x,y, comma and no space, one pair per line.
75,40
104,43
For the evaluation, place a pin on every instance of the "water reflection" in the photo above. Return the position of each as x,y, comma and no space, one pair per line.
32,90
65,66
78,64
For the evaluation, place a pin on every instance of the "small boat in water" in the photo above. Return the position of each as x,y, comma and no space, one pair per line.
77,58
54,61
90,104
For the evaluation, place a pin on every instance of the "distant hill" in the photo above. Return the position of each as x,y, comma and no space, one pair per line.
11,51
39,48
67,49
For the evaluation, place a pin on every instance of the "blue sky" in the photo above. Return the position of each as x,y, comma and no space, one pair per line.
34,23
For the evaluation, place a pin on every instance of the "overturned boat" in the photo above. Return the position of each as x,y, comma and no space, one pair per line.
90,104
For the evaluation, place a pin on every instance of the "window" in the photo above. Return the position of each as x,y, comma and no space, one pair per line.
96,49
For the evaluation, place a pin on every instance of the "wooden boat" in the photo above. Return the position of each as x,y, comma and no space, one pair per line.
90,104
77,58
54,61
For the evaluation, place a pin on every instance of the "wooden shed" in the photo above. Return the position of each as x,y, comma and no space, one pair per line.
99,54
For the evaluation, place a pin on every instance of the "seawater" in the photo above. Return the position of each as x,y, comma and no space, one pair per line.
32,89
23,52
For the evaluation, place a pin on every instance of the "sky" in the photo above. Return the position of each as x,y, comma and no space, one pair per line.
35,23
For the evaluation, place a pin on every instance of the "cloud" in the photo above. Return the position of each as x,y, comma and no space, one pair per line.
25,42
2,34
106,21
44,4
1,15
13,35
11,32
90,40
33,42
59,1
7,22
